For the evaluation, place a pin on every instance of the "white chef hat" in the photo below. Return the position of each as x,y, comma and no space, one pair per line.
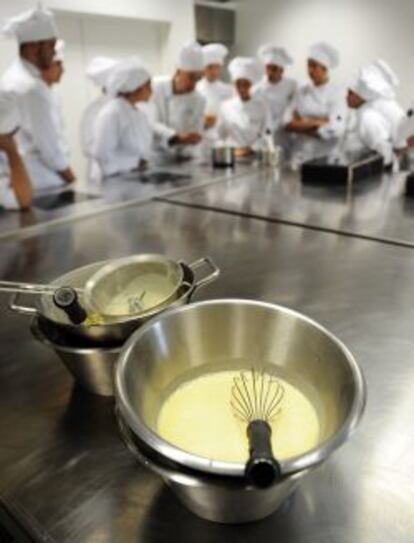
371,84
99,70
278,56
127,76
245,68
190,58
387,72
9,113
324,54
214,53
31,26
59,55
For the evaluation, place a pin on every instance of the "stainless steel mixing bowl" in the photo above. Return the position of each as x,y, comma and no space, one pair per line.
92,367
233,334
113,331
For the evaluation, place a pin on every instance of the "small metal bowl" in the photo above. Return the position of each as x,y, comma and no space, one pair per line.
223,157
92,367
113,331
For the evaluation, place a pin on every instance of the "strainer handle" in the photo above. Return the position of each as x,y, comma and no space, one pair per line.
22,309
66,299
214,271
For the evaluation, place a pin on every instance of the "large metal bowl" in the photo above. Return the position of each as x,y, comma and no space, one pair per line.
112,331
233,334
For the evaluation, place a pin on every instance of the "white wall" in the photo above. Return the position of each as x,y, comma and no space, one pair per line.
179,14
153,29
361,29
87,36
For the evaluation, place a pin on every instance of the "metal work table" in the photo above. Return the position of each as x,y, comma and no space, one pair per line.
66,477
94,198
375,208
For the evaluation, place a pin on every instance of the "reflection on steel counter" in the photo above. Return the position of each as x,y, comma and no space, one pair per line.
61,199
157,177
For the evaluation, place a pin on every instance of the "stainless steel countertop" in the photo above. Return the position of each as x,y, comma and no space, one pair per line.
375,208
66,477
113,192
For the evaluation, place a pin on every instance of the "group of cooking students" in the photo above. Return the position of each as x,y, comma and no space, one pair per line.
138,119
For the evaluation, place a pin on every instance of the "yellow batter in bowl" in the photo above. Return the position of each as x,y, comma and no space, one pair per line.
197,417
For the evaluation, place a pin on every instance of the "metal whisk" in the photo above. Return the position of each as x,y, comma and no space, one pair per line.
256,400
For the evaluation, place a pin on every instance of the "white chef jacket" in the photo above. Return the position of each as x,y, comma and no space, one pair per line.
214,94
244,124
395,115
278,96
87,124
171,113
57,115
374,129
325,101
37,139
122,136
8,198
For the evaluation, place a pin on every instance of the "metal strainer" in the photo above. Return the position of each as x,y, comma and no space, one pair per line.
133,285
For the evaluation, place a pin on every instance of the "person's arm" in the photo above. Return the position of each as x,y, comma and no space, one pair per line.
265,129
336,124
153,111
164,134
221,132
20,183
45,135
194,136
294,122
305,125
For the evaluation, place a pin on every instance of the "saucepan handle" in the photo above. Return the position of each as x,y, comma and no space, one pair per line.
22,309
209,264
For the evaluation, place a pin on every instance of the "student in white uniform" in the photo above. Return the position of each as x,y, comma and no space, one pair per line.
15,186
122,138
244,120
319,112
52,76
98,72
277,90
37,138
378,115
177,109
210,86
388,104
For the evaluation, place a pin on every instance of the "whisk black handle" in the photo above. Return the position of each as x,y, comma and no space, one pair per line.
66,298
262,469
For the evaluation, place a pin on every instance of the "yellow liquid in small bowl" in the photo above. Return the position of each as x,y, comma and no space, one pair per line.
198,418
